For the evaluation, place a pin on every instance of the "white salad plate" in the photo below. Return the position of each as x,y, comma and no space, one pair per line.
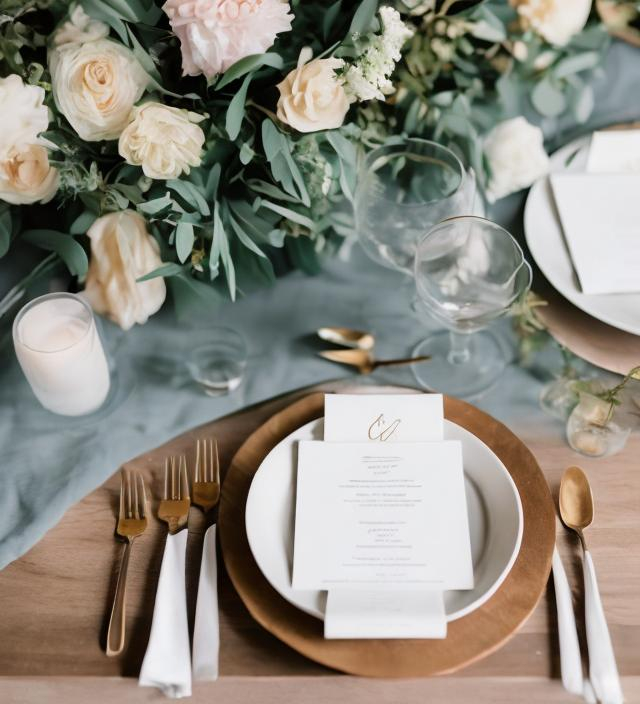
493,504
547,245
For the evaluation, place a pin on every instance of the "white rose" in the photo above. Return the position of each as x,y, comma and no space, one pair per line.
312,97
79,29
23,114
556,21
164,141
516,156
95,85
122,250
26,175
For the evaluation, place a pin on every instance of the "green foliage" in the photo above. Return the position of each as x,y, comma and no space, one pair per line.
266,198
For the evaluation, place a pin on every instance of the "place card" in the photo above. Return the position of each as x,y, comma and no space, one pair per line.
381,516
383,417
600,215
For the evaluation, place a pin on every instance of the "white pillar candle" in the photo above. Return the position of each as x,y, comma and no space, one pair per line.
60,352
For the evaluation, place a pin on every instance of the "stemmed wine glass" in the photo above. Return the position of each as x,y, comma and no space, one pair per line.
404,188
468,272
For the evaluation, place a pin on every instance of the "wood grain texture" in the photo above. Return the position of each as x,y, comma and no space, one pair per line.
54,602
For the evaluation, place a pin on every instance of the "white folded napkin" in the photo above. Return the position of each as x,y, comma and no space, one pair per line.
614,151
206,632
600,215
167,662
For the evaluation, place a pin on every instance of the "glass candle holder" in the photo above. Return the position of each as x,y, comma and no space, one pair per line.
594,430
61,354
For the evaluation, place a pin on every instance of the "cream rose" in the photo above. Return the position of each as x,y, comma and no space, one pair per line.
516,156
122,250
164,141
312,97
79,29
24,114
556,21
95,85
27,177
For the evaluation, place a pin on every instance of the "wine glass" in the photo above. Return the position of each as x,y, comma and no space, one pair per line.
468,272
403,189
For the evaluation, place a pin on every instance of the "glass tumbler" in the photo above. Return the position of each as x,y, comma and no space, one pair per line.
217,363
468,272
61,354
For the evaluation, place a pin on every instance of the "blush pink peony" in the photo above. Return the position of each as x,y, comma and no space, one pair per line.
214,34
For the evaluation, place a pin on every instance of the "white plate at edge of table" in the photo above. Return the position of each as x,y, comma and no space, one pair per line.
546,243
493,503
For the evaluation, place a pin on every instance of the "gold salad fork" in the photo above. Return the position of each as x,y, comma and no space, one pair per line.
174,507
206,482
132,521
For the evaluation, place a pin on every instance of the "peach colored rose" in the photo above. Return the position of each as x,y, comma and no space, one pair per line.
26,175
122,250
214,34
312,97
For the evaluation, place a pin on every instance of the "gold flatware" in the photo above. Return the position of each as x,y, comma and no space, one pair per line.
174,507
363,359
576,511
576,502
132,522
206,482
347,337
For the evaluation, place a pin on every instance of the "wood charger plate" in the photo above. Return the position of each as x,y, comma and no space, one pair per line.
469,638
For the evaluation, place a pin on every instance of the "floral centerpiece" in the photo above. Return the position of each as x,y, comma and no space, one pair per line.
210,145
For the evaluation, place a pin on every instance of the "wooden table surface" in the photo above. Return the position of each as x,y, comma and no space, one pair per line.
54,604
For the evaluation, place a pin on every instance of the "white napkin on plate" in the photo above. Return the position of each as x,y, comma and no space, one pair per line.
600,215
167,662
614,151
206,632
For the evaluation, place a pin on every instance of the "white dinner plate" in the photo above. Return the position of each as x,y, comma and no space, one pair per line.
493,503
547,245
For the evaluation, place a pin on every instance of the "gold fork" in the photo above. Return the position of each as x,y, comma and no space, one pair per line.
206,483
174,508
132,521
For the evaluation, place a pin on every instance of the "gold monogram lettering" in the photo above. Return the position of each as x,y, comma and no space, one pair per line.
381,430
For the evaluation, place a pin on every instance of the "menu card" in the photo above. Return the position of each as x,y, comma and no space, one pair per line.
381,515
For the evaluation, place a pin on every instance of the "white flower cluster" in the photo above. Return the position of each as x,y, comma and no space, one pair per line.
368,77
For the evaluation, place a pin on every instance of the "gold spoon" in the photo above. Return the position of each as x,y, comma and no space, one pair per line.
576,502
576,511
363,359
347,337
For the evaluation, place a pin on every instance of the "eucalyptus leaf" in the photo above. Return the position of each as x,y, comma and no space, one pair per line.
65,246
189,193
235,111
166,270
548,99
576,63
5,229
247,64
184,240
363,17
290,214
330,16
82,223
